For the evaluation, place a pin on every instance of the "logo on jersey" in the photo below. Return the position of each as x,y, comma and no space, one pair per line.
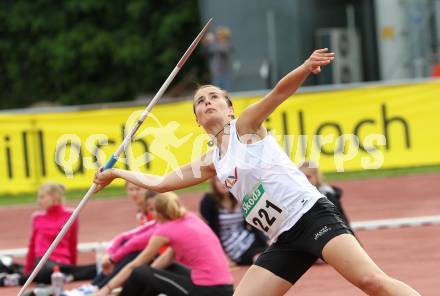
322,231
231,180
251,199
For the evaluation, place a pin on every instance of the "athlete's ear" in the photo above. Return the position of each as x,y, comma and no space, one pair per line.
231,112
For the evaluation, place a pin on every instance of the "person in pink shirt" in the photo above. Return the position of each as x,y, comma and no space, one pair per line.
46,225
204,269
127,245
131,241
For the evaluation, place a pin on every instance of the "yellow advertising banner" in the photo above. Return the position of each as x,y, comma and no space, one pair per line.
365,128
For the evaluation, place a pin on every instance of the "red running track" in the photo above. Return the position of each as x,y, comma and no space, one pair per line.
409,254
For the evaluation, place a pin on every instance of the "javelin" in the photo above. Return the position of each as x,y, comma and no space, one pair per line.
115,156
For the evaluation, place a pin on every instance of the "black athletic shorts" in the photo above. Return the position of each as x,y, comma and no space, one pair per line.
298,248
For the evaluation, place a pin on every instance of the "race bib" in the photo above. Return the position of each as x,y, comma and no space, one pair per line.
262,213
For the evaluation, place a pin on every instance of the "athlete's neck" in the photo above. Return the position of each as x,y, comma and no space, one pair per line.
217,137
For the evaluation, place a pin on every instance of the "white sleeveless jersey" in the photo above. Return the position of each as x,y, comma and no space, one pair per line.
273,192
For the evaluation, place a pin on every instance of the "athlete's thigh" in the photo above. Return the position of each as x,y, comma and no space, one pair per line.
260,281
345,254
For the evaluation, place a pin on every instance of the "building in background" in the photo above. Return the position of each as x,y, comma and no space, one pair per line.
407,37
373,39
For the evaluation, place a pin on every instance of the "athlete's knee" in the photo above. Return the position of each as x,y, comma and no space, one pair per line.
373,284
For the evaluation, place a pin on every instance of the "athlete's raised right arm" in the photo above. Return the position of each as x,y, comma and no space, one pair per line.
193,173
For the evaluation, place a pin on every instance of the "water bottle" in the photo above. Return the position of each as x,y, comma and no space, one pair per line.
99,252
57,281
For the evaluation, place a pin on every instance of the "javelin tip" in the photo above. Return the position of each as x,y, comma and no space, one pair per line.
193,44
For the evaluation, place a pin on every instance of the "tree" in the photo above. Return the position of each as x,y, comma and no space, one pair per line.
85,51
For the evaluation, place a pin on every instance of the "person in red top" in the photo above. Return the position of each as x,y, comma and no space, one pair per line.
46,225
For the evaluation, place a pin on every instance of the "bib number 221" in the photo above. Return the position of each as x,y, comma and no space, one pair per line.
266,220
262,212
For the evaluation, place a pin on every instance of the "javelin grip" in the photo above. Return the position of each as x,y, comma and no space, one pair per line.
111,162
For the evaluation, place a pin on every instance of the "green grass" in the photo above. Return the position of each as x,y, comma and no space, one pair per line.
394,172
115,191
